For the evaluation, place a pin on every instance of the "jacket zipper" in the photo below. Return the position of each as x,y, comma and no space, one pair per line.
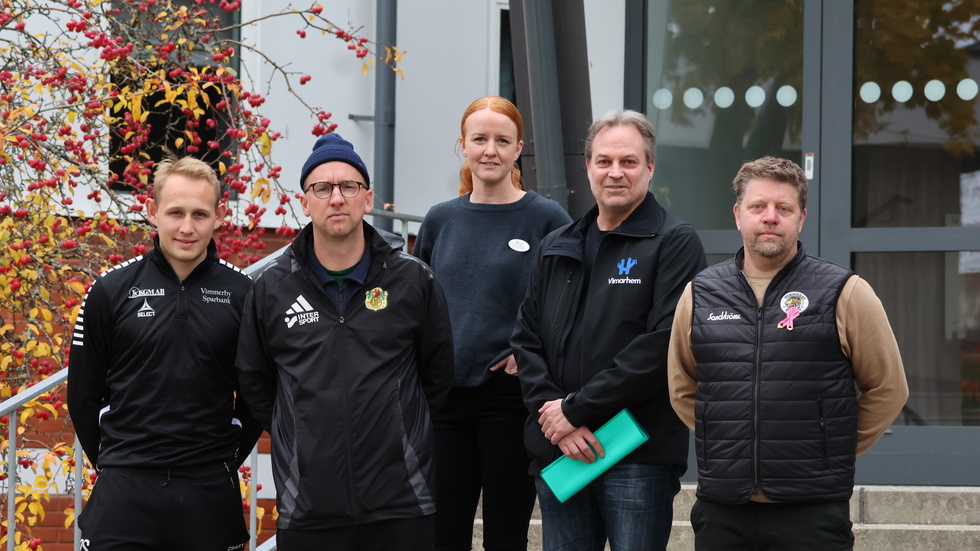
823,430
341,302
757,375
560,333
182,302
355,509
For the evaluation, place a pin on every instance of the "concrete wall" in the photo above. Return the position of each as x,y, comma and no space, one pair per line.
451,60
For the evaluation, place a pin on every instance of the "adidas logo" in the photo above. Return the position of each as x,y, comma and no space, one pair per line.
301,312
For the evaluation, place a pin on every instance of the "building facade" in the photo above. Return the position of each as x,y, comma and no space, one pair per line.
877,100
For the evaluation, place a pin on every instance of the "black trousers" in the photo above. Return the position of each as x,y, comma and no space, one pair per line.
480,446
772,526
143,510
403,534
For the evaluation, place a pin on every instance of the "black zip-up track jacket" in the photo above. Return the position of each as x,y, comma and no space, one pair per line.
151,376
347,394
637,276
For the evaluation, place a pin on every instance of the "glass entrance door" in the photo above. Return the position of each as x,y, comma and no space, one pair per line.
724,85
883,98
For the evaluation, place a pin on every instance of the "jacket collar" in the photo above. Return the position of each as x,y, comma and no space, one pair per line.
800,255
645,221
382,243
156,255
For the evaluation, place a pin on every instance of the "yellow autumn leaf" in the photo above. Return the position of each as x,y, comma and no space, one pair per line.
178,143
365,68
77,287
69,517
46,296
265,143
136,108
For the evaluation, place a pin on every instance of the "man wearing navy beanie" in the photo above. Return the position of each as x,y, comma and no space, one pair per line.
345,349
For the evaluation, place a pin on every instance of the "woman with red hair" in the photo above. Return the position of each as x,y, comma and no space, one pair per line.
480,246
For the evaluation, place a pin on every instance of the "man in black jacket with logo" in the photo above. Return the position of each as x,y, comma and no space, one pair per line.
345,349
151,381
591,339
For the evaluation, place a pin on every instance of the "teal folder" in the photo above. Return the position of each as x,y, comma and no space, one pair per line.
619,436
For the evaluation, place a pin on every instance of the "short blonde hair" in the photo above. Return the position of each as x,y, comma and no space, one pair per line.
189,167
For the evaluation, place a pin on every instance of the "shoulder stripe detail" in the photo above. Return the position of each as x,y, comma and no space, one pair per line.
227,264
78,336
428,270
122,265
231,266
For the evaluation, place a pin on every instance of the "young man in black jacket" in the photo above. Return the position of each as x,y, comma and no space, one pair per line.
151,381
591,339
345,349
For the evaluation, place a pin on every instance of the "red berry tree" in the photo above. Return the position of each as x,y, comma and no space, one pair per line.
92,95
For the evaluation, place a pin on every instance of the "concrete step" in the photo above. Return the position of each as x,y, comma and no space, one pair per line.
872,537
894,518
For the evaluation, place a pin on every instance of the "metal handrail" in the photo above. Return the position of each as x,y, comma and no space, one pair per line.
9,408
11,405
405,219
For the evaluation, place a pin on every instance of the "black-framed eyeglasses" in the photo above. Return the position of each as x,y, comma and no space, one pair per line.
348,188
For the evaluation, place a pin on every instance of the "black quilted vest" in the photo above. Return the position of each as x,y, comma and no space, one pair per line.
776,408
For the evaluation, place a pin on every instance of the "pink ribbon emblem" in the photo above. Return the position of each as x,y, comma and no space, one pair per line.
791,315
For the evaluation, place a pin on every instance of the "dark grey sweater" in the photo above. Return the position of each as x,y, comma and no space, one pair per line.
482,255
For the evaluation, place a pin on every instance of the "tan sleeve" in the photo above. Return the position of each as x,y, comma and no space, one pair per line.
681,369
867,339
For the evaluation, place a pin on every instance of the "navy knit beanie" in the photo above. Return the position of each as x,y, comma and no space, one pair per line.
332,147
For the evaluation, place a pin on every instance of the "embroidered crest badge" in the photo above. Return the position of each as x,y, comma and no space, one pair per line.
376,299
793,303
